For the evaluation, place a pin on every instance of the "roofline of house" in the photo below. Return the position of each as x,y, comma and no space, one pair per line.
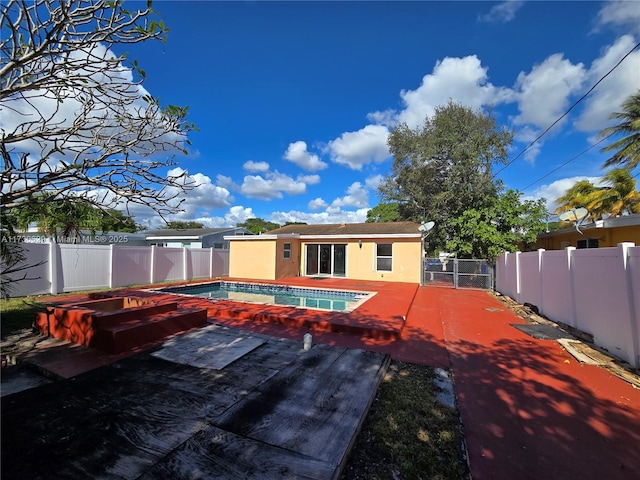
324,237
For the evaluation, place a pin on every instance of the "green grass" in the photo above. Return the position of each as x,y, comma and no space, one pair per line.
408,434
18,313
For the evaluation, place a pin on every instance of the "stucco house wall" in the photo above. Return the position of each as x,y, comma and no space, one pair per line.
264,257
253,259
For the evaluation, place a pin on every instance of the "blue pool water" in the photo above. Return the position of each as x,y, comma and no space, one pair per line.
336,300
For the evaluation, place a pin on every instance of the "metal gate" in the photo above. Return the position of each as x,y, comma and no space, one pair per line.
457,273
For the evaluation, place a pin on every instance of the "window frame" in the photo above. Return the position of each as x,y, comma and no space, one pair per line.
379,257
286,251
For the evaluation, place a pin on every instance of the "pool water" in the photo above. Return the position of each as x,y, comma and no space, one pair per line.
323,299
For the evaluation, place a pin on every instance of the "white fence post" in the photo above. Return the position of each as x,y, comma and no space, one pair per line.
572,286
632,342
540,286
518,289
152,267
185,267
53,268
210,262
111,264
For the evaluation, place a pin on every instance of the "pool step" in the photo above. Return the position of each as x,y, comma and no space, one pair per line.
314,320
132,333
117,330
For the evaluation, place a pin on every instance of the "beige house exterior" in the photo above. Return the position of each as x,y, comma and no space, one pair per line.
601,233
388,252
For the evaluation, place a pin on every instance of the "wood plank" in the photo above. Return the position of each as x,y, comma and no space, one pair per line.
207,348
327,393
216,454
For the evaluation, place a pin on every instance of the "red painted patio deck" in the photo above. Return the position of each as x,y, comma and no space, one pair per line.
529,409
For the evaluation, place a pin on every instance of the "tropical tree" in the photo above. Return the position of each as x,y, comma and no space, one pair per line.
76,121
60,218
258,225
627,149
504,225
384,212
445,167
617,196
180,225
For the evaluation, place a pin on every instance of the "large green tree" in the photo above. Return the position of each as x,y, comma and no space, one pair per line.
445,167
384,212
626,149
504,225
258,225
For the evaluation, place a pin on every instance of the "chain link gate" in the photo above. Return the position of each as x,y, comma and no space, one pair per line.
457,273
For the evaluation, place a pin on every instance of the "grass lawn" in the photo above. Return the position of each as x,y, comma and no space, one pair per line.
18,313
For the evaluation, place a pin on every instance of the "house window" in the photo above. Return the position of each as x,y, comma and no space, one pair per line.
287,250
219,245
587,243
384,257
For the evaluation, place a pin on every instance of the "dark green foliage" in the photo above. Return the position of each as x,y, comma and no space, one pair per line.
384,212
179,225
258,225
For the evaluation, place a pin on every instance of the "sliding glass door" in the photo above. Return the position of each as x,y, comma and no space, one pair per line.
326,259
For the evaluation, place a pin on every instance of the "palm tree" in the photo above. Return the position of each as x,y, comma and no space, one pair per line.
618,196
627,149
577,196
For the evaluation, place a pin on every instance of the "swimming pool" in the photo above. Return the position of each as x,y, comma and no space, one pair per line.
287,295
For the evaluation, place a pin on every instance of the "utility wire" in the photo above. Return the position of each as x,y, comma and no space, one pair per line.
567,162
567,112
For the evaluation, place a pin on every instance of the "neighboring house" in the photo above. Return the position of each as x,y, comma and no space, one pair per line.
601,233
388,251
194,237
85,237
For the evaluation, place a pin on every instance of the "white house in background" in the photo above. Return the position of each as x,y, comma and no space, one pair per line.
194,237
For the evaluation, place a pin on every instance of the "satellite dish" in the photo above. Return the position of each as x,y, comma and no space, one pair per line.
425,227
575,215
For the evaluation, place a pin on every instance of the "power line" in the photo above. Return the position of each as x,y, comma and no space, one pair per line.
567,112
566,163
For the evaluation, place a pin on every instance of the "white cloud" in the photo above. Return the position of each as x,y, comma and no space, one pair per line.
252,166
356,149
503,12
309,179
317,204
544,93
298,154
556,189
227,182
463,80
334,216
357,196
205,195
273,186
616,13
373,182
615,89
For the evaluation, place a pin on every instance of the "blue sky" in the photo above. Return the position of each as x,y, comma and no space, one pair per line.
294,100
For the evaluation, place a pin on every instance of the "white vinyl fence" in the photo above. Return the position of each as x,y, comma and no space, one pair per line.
58,268
594,290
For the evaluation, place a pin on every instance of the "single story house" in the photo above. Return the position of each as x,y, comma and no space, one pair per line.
388,251
601,233
194,237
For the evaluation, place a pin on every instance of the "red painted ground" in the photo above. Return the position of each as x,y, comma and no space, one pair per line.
529,410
